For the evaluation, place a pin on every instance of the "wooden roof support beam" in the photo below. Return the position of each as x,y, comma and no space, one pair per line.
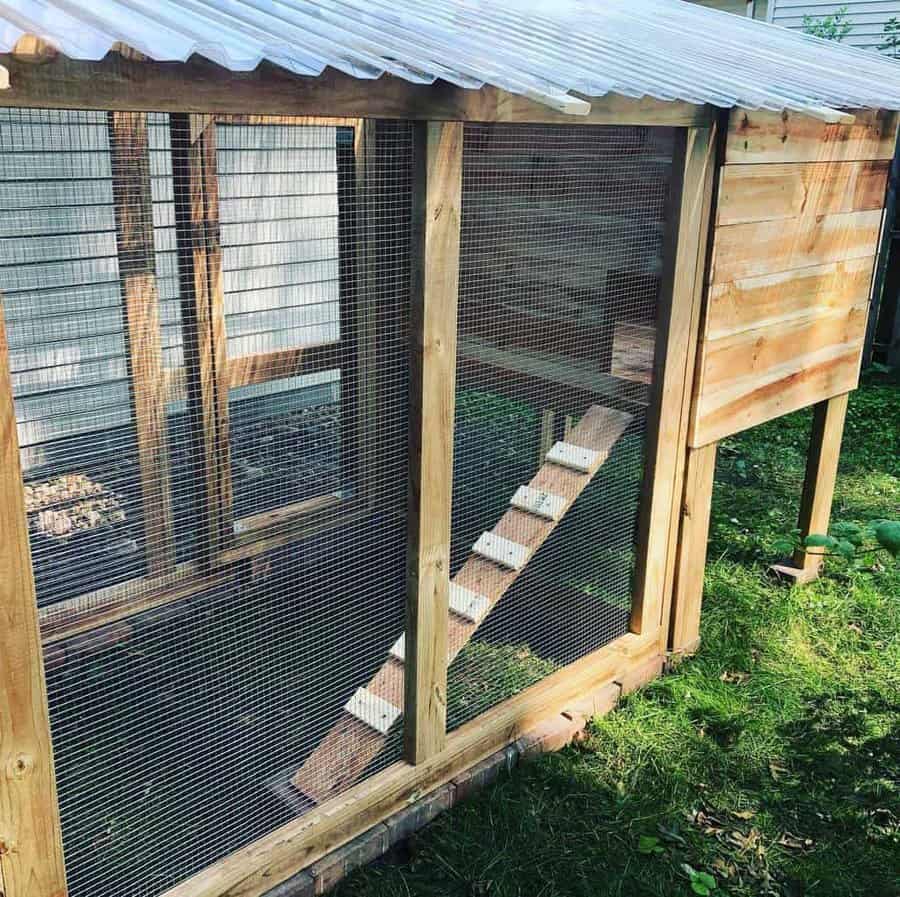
199,85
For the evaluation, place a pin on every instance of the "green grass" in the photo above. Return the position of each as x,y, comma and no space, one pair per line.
770,760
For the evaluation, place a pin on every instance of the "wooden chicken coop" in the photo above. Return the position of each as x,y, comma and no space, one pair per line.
361,375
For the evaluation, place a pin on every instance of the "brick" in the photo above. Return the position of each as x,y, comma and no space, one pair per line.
483,773
300,885
410,819
333,867
641,675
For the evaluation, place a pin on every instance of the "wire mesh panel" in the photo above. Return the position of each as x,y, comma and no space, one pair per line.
561,255
208,329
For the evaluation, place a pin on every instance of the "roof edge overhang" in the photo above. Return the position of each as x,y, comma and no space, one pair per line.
127,80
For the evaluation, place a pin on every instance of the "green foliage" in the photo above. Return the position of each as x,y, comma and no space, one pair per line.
891,44
701,882
832,27
887,532
650,844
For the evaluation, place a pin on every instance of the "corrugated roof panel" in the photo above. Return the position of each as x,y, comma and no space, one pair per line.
548,50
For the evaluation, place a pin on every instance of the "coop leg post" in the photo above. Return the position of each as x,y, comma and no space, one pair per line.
818,485
31,854
690,562
435,281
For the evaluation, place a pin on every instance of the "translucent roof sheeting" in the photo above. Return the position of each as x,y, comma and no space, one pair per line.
548,50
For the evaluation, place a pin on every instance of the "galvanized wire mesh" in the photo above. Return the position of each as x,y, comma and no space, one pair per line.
561,255
208,331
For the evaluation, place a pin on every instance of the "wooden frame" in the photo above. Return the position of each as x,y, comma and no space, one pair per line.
437,193
119,83
674,515
31,854
674,370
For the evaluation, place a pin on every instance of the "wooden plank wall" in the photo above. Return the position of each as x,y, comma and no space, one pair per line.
796,233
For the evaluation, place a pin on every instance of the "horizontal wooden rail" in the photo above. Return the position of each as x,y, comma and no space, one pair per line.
250,369
199,85
259,867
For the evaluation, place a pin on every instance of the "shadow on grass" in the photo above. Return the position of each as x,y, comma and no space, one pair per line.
771,760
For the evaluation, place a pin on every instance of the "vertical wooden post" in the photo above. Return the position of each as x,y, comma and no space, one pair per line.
437,187
203,315
31,853
133,203
818,485
676,348
365,275
690,559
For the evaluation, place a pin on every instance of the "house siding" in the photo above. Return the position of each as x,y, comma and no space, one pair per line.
868,17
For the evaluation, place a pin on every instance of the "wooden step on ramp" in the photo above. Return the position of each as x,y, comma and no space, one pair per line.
497,559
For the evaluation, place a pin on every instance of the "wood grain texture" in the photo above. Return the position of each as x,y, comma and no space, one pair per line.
755,376
133,206
437,189
792,265
199,85
250,369
821,475
761,136
690,563
202,313
254,870
766,247
31,854
773,300
350,746
674,368
770,192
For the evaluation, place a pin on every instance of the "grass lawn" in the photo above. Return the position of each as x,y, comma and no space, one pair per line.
770,761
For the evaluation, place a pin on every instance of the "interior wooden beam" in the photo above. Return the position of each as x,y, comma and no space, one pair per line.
254,870
203,316
250,369
83,613
31,853
675,356
133,206
437,193
199,85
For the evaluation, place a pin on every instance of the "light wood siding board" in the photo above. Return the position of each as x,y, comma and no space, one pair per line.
761,136
794,250
771,192
745,250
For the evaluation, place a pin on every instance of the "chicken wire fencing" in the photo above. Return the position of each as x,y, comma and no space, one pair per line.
207,320
560,261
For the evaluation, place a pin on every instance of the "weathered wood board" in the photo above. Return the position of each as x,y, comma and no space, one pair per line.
797,226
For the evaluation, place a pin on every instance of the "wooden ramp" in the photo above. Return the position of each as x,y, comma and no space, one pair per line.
497,559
